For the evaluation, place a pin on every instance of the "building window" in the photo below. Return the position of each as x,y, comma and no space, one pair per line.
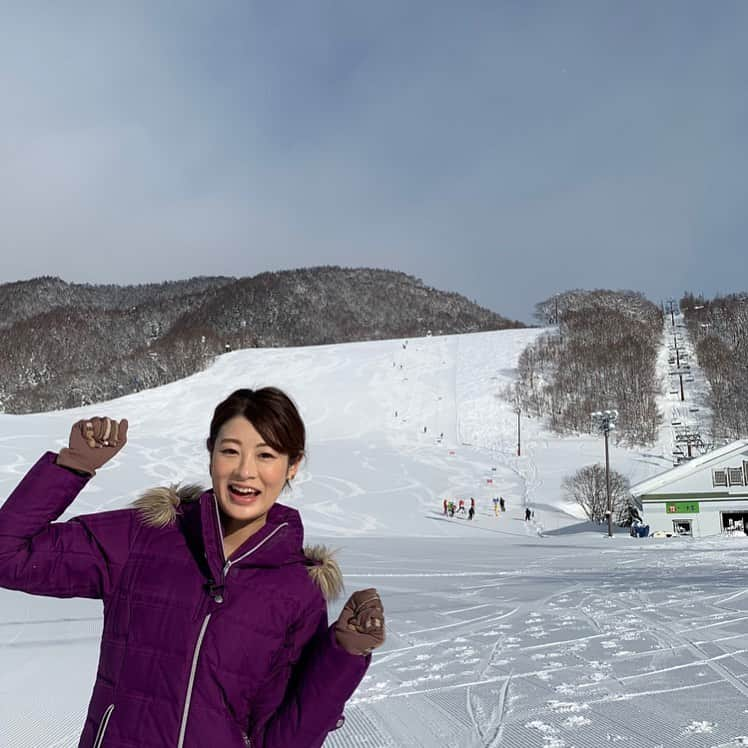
735,523
745,472
719,478
735,476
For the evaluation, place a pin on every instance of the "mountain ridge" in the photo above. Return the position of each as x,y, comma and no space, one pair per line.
68,344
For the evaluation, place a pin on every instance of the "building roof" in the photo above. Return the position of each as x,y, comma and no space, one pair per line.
685,469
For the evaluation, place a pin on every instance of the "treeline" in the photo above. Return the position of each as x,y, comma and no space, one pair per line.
65,345
718,329
602,355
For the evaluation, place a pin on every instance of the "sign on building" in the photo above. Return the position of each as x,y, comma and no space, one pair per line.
682,507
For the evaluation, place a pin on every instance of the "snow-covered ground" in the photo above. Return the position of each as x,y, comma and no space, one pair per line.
500,632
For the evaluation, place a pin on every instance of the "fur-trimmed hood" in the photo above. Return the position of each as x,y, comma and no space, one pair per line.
159,507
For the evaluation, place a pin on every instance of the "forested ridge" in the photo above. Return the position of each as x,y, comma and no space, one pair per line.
601,354
65,345
718,329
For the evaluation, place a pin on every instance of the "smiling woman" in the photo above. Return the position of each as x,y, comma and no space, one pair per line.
215,615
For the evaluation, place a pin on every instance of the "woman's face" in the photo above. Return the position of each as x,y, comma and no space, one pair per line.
248,475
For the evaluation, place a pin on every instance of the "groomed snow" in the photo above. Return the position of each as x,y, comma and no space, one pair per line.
500,632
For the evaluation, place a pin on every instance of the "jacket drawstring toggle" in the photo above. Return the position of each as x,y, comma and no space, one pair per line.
215,590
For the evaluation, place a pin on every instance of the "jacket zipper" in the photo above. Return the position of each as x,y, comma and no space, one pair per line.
191,683
218,597
229,563
99,739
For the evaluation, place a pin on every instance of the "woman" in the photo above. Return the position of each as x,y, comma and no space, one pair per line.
215,620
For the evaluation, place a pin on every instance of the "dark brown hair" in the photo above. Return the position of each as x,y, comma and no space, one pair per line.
271,412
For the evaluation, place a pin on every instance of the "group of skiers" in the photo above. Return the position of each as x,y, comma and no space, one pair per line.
452,507
449,508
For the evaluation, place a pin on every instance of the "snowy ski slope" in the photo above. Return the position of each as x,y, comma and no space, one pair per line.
501,632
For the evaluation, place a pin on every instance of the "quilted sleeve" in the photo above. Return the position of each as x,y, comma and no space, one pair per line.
79,558
323,680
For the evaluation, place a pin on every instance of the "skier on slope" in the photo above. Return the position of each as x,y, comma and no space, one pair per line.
212,587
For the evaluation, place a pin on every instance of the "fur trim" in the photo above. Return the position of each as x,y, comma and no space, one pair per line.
158,507
325,571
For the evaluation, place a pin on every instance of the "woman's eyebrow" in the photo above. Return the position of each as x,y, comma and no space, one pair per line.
238,441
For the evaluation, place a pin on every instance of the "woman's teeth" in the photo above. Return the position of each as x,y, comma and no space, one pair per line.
244,491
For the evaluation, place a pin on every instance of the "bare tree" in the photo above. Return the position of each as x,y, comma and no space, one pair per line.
587,488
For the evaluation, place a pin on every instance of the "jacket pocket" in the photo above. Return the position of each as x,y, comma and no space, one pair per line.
99,739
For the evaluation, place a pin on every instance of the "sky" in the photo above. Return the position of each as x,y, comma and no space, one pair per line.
500,631
503,150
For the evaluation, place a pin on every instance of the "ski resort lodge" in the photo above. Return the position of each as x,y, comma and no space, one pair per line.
704,496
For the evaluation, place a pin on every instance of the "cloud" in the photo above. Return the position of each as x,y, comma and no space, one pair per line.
499,150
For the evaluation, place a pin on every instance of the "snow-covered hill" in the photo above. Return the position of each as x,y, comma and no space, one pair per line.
394,427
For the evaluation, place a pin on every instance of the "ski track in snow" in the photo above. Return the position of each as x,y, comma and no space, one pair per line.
501,633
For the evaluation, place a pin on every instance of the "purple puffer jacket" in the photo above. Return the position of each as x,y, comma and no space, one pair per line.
196,651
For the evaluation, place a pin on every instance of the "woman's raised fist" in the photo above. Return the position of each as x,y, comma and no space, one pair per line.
93,442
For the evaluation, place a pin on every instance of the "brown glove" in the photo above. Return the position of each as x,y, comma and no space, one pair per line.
360,627
93,442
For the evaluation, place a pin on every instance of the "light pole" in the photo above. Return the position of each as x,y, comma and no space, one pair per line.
605,421
519,442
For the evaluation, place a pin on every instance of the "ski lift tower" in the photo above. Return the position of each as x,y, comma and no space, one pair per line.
605,422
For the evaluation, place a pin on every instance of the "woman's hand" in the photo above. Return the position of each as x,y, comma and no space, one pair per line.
360,627
93,442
